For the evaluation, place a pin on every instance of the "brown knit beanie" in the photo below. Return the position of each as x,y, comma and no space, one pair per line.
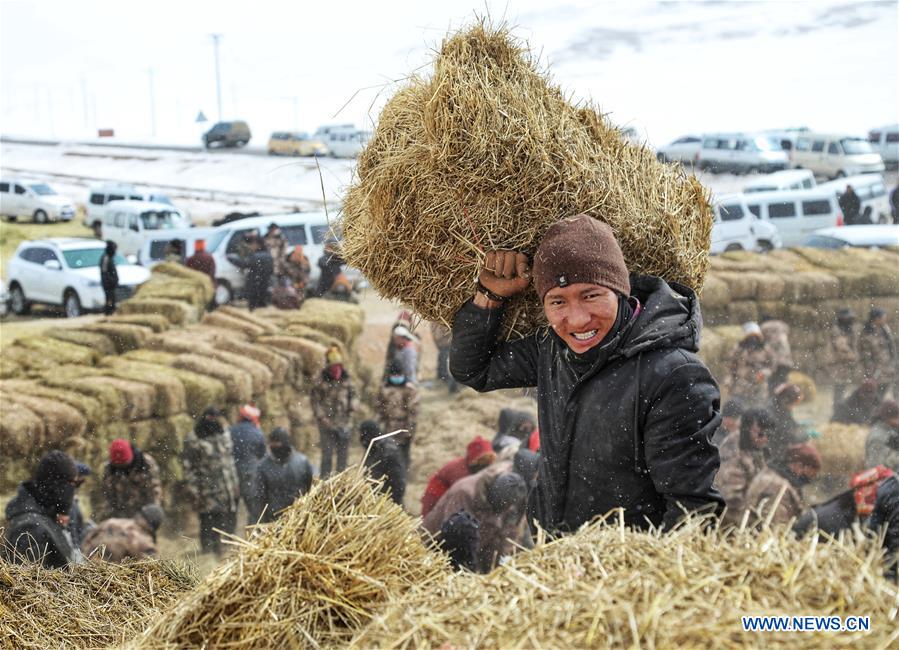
579,250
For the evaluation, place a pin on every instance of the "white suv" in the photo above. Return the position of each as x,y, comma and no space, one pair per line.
34,200
65,272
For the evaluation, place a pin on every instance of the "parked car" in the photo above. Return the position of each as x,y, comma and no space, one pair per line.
66,272
153,249
129,223
788,179
833,155
796,213
309,229
101,195
872,192
343,140
227,134
736,228
287,143
886,141
685,150
4,300
33,200
741,153
855,236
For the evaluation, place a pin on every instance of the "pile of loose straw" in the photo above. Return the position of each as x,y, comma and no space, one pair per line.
93,605
313,578
487,153
610,587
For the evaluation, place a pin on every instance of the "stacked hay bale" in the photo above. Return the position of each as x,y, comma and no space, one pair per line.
487,153
145,376
313,578
804,287
97,605
683,588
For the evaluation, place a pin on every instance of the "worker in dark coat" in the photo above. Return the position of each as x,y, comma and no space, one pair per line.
625,406
282,476
37,517
860,407
248,448
201,260
384,460
851,206
109,276
259,266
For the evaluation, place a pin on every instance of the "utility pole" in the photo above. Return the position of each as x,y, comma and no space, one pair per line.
218,77
152,104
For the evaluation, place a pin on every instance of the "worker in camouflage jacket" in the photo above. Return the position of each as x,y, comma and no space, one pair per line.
211,478
277,245
783,485
843,355
117,540
333,402
877,351
746,462
130,481
397,408
750,368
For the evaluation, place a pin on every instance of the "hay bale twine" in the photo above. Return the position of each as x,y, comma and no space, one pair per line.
487,153
313,578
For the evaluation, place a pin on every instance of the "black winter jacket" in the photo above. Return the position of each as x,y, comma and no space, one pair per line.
886,517
385,460
634,432
247,447
33,534
260,268
279,484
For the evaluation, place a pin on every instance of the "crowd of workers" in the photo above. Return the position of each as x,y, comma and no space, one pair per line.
627,418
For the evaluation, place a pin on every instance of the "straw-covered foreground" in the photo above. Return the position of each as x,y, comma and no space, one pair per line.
313,578
92,605
611,587
488,153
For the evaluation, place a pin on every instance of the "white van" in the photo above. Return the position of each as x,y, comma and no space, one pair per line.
343,140
788,179
33,200
129,223
741,153
736,228
872,192
833,155
796,213
308,229
101,195
886,141
153,250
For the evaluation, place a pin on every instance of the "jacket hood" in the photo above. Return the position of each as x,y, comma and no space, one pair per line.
24,502
669,317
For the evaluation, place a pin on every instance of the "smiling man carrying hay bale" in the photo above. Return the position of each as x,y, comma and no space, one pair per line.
485,161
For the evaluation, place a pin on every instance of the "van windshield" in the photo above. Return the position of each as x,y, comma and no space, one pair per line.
158,219
854,146
213,240
42,188
767,144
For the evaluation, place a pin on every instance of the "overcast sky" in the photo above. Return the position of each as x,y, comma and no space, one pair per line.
70,67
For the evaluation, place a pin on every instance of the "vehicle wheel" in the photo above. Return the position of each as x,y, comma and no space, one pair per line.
223,293
733,247
765,246
17,301
40,216
98,229
72,304
841,174
240,143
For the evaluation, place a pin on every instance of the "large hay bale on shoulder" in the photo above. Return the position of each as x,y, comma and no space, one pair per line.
320,572
92,605
238,385
487,153
170,393
313,353
100,343
61,421
177,312
172,289
842,448
156,322
21,430
124,336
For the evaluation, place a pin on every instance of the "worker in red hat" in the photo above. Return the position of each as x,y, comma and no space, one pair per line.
478,455
130,481
248,448
626,408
